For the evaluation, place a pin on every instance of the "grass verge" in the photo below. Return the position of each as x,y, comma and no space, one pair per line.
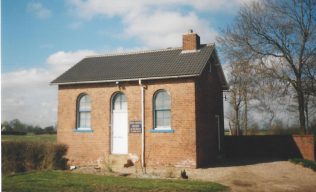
30,137
51,181
304,163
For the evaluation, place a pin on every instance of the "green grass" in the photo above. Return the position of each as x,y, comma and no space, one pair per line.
30,137
51,181
304,163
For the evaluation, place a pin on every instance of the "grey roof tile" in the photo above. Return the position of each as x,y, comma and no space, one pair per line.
151,64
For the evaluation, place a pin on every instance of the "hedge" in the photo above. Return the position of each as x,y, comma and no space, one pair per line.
25,156
13,133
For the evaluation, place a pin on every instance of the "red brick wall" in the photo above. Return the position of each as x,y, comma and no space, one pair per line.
176,148
305,144
85,147
209,103
190,41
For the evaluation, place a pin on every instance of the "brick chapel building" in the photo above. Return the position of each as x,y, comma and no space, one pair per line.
164,106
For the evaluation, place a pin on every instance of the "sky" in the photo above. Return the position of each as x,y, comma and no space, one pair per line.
40,39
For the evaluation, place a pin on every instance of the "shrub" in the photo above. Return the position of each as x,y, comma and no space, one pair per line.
24,156
13,133
58,160
42,132
305,163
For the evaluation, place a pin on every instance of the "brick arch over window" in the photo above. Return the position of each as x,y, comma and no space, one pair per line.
162,110
83,112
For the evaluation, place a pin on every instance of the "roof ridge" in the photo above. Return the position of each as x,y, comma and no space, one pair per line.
141,51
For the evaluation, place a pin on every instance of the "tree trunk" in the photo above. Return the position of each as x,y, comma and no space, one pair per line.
246,113
237,124
271,118
306,114
301,108
230,129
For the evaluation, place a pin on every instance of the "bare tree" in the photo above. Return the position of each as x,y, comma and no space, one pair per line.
266,97
240,81
235,100
279,36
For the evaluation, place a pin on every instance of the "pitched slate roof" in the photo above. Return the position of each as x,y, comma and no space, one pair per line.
168,63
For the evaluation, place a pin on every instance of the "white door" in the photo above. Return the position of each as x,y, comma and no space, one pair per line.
119,124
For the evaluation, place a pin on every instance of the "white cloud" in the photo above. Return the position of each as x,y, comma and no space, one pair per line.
89,8
23,94
60,61
39,10
165,29
157,23
27,95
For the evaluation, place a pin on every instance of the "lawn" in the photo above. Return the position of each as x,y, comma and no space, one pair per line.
51,181
30,137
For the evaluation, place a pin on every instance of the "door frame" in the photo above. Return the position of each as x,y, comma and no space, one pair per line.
111,121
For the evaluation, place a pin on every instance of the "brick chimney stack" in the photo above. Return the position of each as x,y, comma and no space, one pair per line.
190,41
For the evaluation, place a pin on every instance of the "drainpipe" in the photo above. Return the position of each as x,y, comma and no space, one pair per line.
143,120
218,133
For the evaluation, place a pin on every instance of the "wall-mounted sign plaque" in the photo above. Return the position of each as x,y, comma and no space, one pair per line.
135,127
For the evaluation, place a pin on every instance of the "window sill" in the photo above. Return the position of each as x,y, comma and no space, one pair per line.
162,131
83,130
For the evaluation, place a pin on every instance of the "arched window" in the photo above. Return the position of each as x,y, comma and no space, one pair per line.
84,112
119,102
162,110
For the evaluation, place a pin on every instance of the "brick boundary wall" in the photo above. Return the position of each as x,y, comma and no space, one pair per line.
306,145
281,147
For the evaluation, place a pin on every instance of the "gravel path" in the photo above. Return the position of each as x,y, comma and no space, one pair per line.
261,177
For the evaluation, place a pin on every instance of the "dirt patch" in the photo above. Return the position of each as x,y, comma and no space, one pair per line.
273,176
261,177
243,183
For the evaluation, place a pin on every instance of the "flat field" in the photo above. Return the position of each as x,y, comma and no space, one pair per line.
30,137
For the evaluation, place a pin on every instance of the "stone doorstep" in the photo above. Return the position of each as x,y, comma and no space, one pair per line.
117,160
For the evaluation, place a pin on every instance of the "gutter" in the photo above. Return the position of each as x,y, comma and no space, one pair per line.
126,80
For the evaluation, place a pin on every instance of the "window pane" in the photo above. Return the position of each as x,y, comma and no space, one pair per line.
84,112
163,100
81,120
163,118
120,102
85,103
162,108
166,119
159,114
117,103
85,119
88,120
123,101
159,119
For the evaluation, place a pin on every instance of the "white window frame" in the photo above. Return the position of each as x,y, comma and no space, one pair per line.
155,111
79,111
